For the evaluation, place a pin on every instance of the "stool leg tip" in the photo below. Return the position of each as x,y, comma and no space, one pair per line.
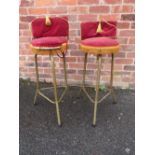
60,125
93,125
114,102
35,103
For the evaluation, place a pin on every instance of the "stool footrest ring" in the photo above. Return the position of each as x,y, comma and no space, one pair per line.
90,98
48,99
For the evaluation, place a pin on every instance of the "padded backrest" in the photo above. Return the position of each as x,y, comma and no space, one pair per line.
59,27
88,29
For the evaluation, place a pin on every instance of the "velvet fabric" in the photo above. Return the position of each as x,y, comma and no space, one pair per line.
49,41
59,27
99,42
88,29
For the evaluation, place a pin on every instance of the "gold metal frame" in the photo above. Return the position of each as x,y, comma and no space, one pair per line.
39,90
57,99
110,91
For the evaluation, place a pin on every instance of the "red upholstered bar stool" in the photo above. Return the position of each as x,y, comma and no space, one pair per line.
98,38
50,37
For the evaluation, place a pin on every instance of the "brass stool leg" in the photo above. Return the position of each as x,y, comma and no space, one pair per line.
111,79
65,72
99,61
84,71
37,78
55,90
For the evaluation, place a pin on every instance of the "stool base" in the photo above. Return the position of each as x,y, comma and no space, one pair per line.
39,90
110,92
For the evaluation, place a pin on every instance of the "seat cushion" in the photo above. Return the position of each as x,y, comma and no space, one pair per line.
100,42
49,41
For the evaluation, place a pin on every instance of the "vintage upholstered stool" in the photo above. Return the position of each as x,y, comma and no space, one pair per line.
98,38
50,37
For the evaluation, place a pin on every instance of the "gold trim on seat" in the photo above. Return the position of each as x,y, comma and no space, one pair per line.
49,50
99,50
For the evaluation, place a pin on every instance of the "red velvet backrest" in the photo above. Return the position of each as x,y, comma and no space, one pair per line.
59,27
88,29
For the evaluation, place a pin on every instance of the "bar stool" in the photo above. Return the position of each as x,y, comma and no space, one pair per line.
98,38
50,37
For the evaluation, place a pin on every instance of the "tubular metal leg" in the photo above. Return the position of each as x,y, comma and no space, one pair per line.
65,72
84,71
55,90
37,79
111,79
99,62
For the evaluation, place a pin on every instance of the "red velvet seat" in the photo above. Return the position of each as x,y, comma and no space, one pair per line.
49,42
99,42
48,38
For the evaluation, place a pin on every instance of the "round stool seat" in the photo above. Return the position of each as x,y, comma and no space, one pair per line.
99,45
48,42
46,45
